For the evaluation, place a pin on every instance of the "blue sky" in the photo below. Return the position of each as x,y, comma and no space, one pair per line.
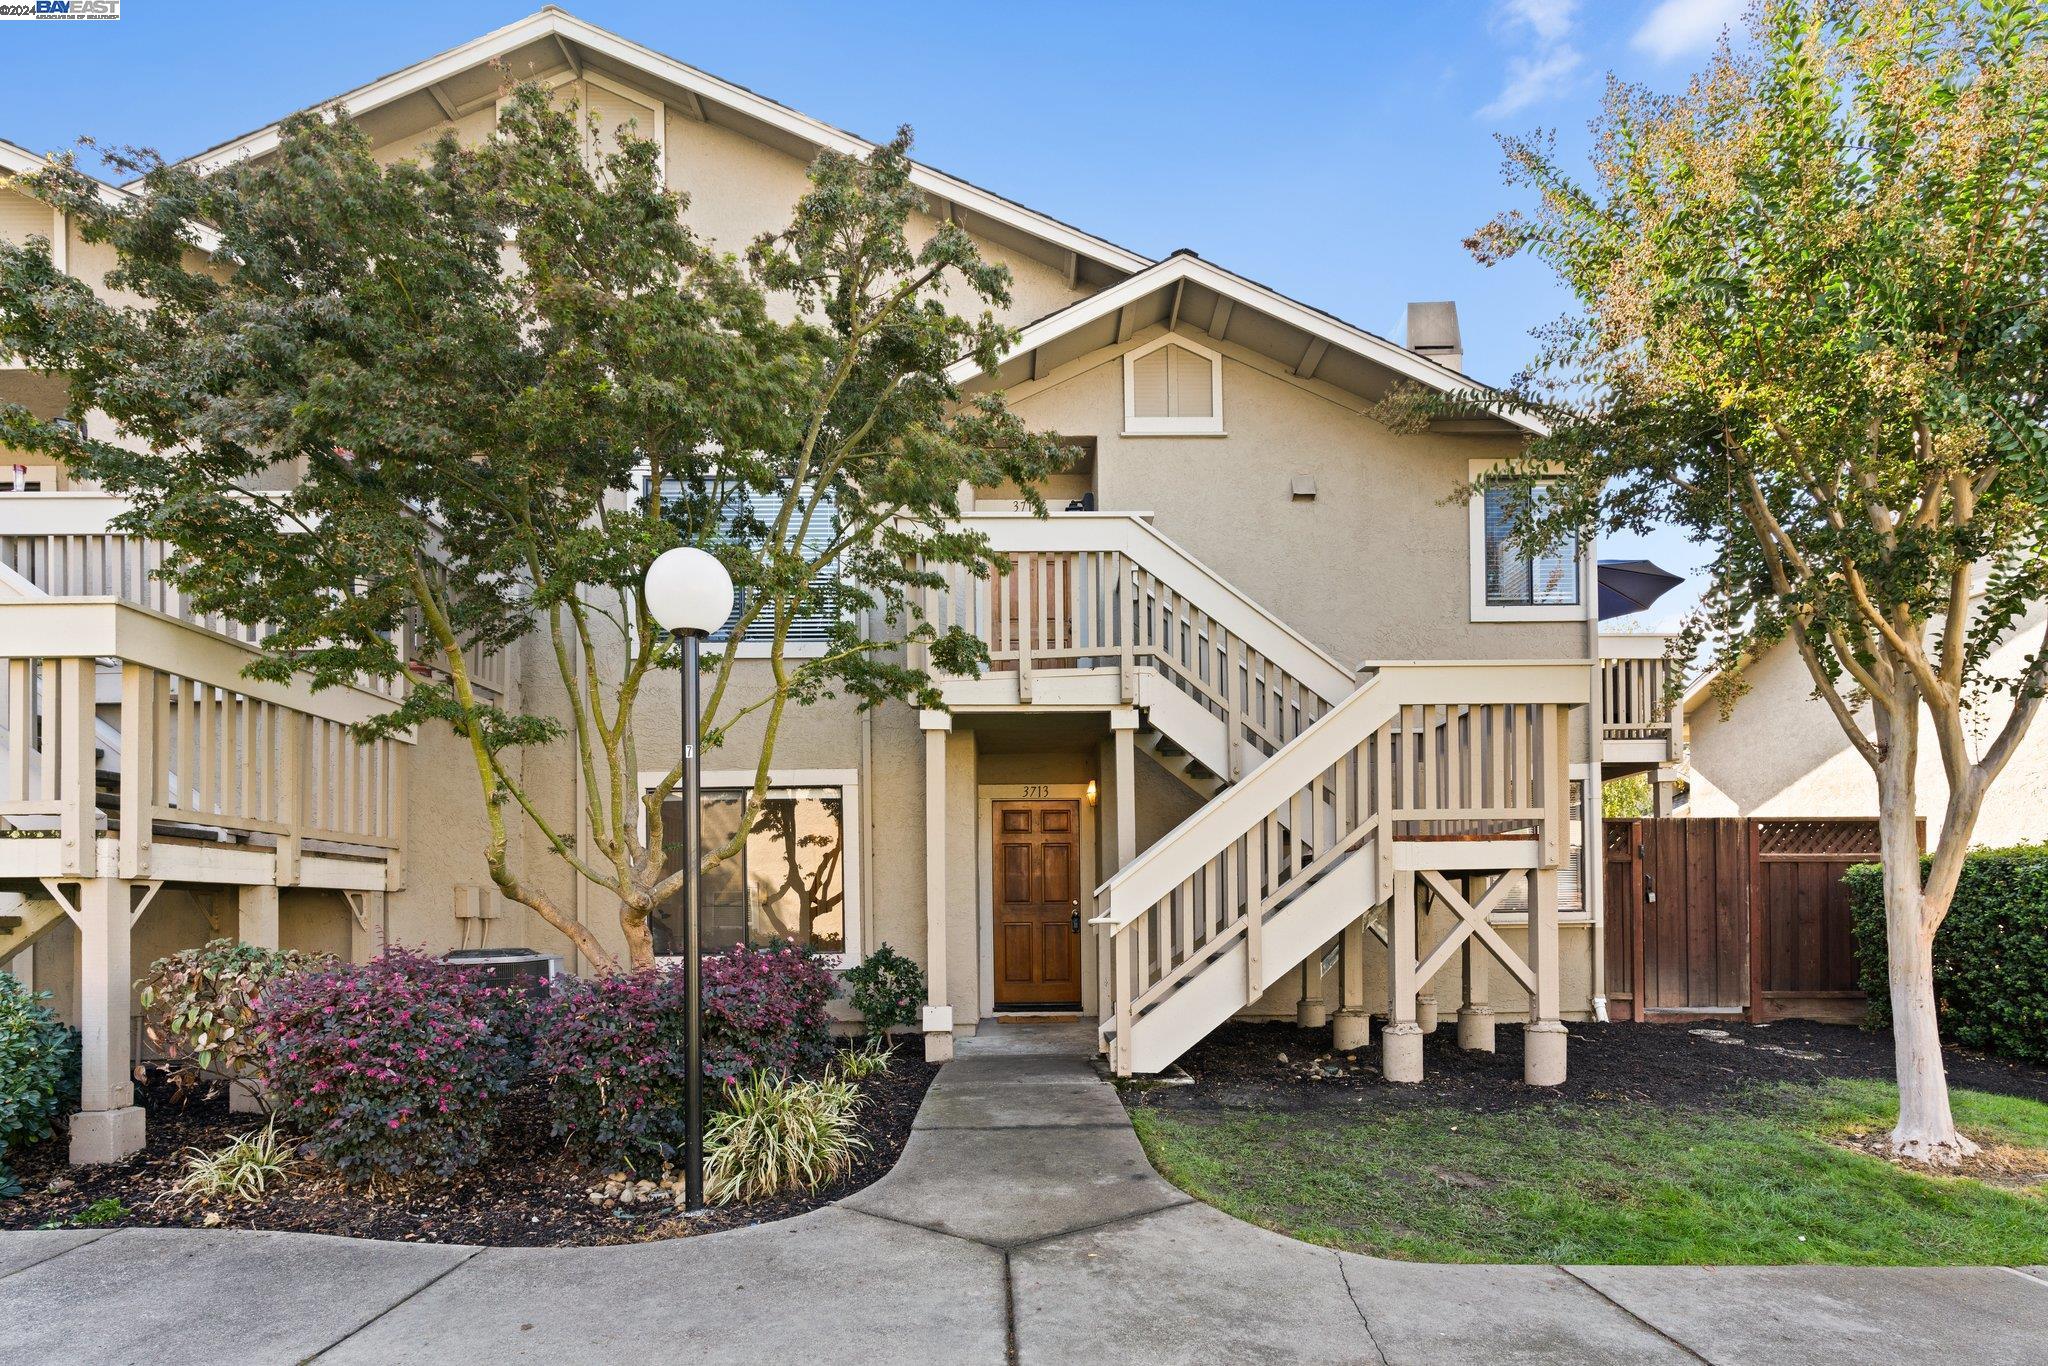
1339,153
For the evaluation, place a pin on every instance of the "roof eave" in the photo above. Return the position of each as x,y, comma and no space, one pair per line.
568,28
1397,358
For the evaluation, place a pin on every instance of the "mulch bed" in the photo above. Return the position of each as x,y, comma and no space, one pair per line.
1719,1065
530,1193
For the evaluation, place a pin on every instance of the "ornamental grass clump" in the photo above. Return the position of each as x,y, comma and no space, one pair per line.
392,1068
765,1010
775,1134
243,1169
613,1052
38,1069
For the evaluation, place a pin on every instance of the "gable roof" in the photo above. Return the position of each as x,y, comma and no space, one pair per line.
1186,291
463,78
16,160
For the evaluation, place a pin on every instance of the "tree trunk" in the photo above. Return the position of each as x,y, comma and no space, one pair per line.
1926,1130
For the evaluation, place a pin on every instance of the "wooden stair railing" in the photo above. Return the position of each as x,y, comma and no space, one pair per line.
1421,751
1100,591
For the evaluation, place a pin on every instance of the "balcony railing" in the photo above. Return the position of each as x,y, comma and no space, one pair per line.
125,723
64,545
1634,679
1106,594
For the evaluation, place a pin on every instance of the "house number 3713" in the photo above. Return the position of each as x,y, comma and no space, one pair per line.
1037,790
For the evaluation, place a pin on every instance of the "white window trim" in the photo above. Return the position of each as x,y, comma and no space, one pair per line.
1174,426
847,780
1482,610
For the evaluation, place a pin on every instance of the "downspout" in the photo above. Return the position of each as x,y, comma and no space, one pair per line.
1593,857
866,817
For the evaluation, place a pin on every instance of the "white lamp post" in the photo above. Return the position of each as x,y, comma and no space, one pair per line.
689,593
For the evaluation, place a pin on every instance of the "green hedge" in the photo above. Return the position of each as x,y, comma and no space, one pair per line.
1990,955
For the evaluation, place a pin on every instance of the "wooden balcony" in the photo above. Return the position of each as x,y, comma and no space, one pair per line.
1641,721
64,545
134,747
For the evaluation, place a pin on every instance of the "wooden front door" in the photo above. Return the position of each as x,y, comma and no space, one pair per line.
1038,904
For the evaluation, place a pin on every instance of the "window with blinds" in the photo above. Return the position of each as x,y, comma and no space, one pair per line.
1571,879
1173,387
1514,577
746,522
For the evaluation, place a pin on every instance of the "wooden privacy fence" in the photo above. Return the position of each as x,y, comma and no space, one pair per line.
1733,915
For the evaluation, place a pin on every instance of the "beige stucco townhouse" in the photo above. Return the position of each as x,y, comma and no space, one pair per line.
1272,728
1778,750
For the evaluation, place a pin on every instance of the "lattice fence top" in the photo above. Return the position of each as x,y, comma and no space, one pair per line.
1813,837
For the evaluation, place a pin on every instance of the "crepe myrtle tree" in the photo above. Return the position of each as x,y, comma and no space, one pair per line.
1811,330
403,413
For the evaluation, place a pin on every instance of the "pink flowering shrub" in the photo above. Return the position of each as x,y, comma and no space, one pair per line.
764,1011
394,1067
614,1053
614,1050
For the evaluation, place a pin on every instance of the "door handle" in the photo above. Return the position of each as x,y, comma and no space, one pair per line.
1077,919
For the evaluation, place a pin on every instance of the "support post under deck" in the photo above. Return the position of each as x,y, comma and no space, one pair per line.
109,1124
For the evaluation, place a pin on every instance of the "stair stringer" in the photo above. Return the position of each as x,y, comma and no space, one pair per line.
1219,989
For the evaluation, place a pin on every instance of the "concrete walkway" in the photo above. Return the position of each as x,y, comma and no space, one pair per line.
1023,1223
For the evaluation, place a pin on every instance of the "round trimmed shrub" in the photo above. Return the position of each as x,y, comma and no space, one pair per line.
765,1011
615,1054
887,989
396,1067
38,1069
615,1050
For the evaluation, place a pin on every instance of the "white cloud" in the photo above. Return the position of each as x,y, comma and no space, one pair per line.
1678,28
1549,20
1531,80
1549,63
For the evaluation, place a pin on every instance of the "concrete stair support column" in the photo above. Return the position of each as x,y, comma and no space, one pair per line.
1475,1017
1351,1027
1310,1012
1543,1043
1401,1041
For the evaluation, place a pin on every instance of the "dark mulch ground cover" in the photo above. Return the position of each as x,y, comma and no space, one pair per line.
528,1194
1279,1067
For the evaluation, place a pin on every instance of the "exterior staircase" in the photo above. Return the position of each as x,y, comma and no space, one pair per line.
1312,777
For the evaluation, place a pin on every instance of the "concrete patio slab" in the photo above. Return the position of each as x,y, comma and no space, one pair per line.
986,1105
1008,1036
1021,1069
1006,1187
1790,1315
827,1286
19,1251
172,1296
1188,1284
1510,1315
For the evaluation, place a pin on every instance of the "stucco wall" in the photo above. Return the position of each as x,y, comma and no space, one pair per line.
1781,752
1375,566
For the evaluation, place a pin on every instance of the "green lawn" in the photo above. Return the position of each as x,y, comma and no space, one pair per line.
1610,1183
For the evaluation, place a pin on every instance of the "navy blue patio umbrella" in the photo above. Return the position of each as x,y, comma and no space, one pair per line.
1629,586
